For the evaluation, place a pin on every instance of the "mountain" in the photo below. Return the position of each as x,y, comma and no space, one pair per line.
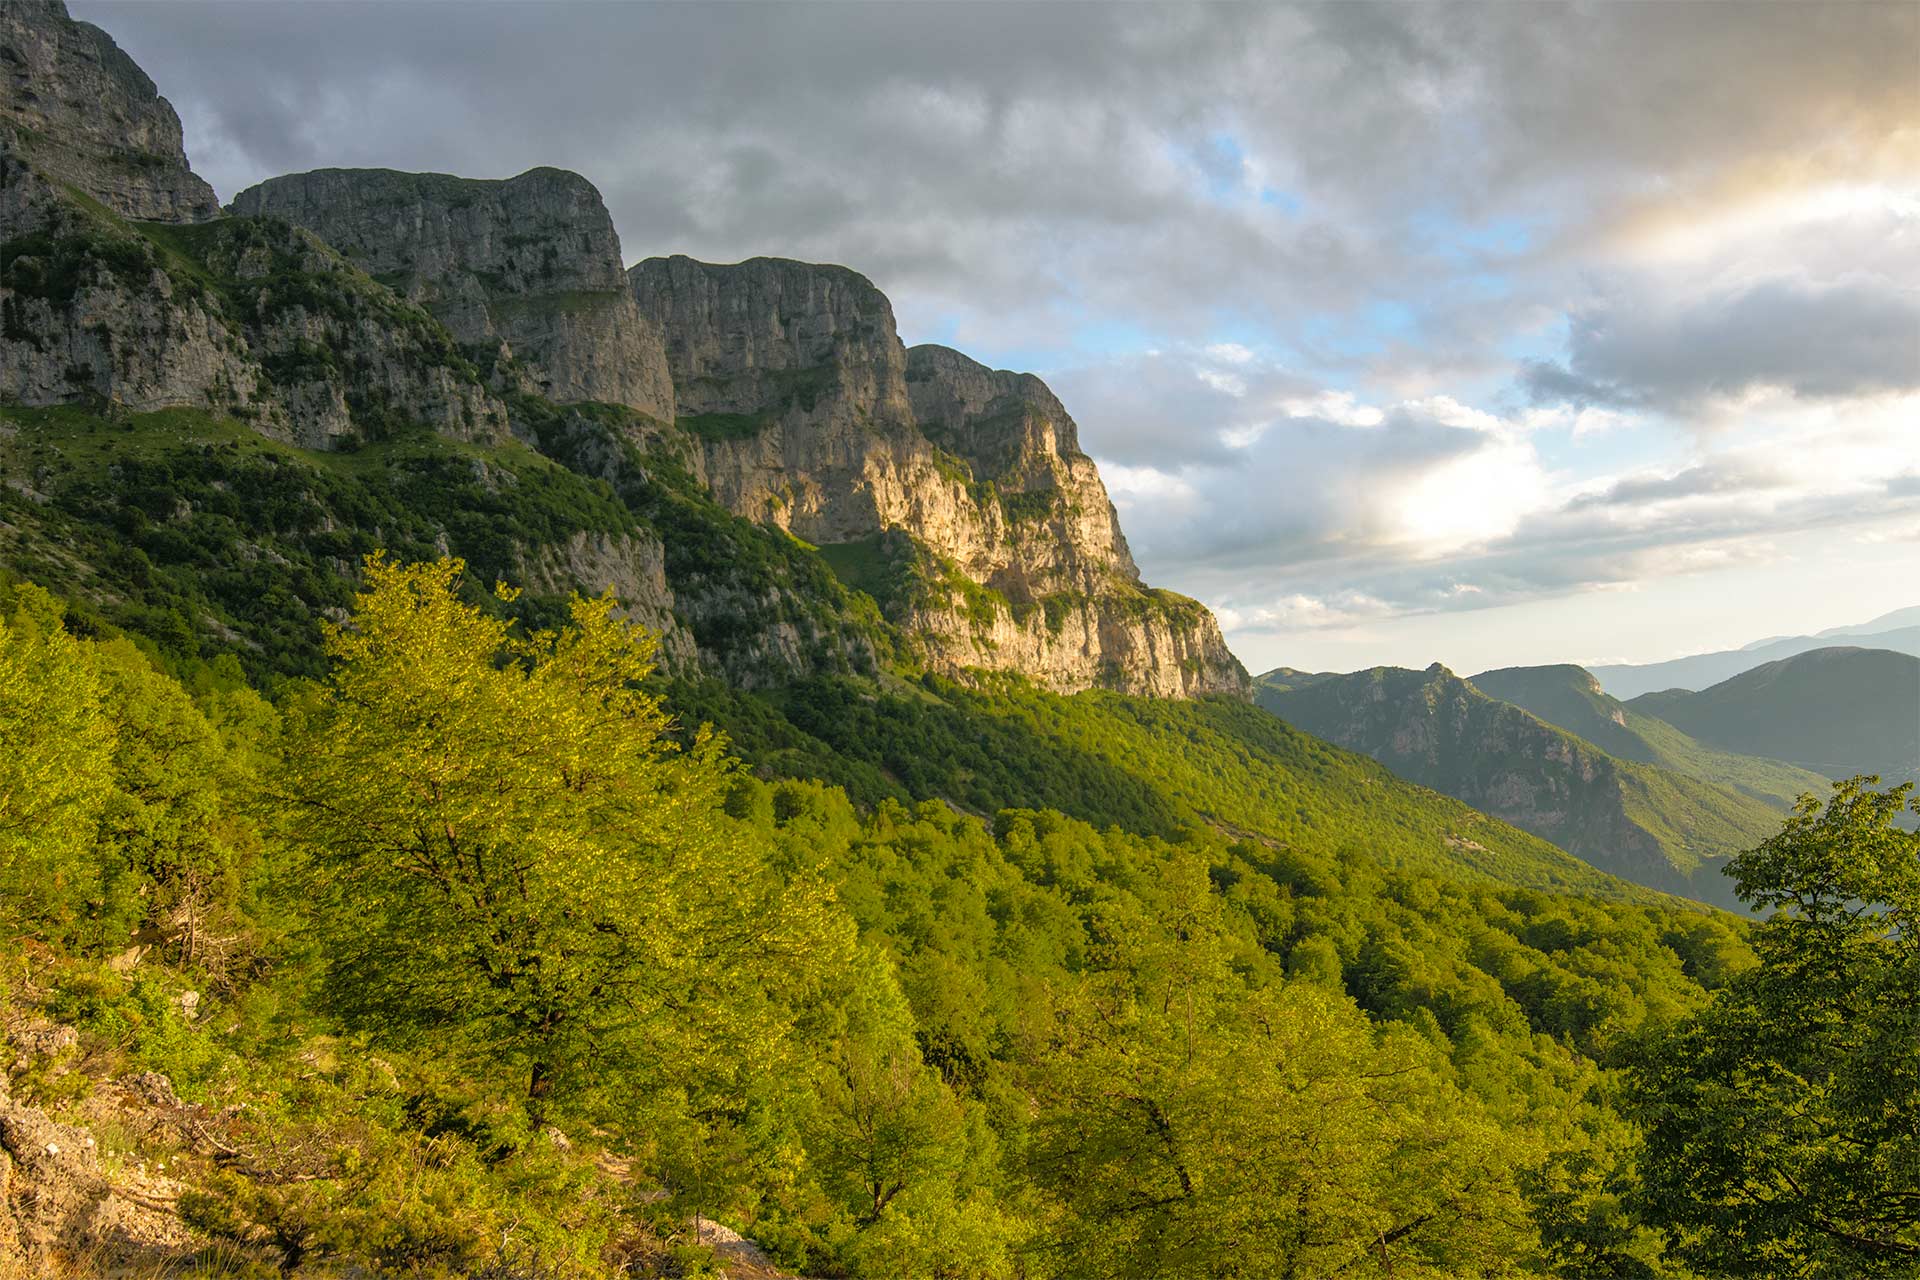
449,948
1898,620
344,312
526,271
1901,635
81,111
1571,698
1838,711
1656,827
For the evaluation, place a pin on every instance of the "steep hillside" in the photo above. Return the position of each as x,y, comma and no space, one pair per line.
1571,698
346,308
1837,711
1654,827
1700,670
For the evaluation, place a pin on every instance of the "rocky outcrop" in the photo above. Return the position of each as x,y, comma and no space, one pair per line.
90,312
632,566
811,416
527,269
241,317
794,381
341,307
81,110
56,1202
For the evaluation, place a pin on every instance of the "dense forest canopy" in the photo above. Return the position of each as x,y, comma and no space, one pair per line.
496,966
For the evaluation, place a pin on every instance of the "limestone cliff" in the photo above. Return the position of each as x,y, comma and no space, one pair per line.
246,317
527,269
80,109
339,308
956,495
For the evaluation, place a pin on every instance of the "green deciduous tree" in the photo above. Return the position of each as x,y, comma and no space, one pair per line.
56,767
1197,1129
512,858
1783,1122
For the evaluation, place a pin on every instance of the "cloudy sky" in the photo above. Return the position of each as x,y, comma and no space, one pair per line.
1485,333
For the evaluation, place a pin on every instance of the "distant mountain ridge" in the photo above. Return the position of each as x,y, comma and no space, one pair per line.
1571,698
1837,710
1653,826
1898,631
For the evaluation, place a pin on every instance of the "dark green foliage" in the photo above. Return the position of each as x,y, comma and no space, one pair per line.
723,426
185,518
1147,765
1667,830
766,576
54,265
1781,1120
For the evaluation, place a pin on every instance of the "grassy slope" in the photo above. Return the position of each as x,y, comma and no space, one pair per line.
1569,697
1143,764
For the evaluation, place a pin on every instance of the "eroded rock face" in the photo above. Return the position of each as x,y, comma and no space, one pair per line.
529,266
86,114
632,566
813,417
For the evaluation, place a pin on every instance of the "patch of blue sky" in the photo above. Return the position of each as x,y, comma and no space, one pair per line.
1471,244
1222,162
1629,444
1286,202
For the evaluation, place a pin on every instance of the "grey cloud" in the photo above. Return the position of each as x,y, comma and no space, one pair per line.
997,165
1719,477
1817,341
1013,174
1158,410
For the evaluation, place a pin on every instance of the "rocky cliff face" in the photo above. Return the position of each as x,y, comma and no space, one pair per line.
1656,828
341,307
526,270
955,494
80,109
243,317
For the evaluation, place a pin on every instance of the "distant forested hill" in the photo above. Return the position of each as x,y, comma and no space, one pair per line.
1837,711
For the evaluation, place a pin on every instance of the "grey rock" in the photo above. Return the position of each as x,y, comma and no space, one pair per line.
528,267
810,415
75,104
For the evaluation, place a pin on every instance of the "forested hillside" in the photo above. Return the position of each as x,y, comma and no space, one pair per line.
477,944
1571,698
1838,710
508,760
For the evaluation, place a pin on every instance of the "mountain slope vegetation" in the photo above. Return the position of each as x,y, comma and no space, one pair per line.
1837,711
920,1081
1647,824
451,826
1571,698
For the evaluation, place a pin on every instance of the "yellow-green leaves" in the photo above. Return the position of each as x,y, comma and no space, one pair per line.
518,861
56,763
